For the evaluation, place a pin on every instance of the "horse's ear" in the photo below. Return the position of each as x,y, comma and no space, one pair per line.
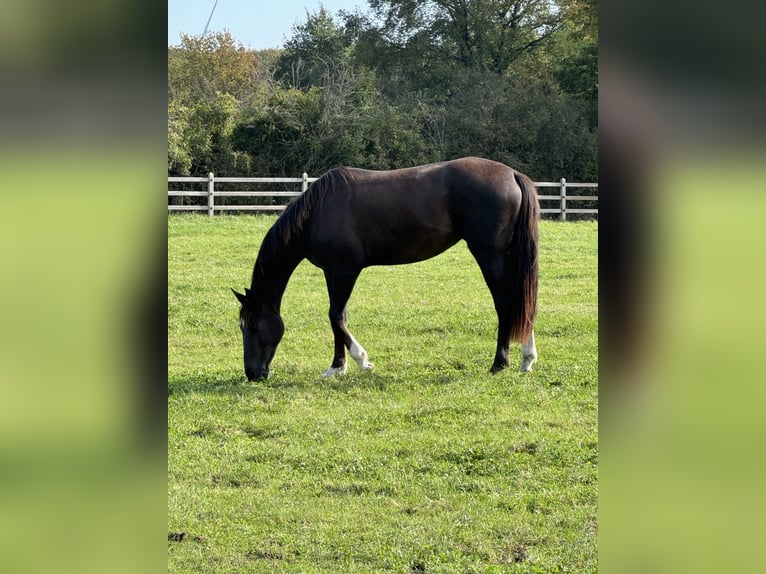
240,297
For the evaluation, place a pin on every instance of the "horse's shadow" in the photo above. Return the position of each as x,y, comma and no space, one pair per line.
212,384
293,380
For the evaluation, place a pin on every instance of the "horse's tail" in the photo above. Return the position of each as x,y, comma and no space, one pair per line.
521,260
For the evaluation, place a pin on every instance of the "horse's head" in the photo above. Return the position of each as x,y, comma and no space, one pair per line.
262,331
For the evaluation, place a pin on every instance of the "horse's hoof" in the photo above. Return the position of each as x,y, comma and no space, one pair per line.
497,368
526,364
364,364
332,371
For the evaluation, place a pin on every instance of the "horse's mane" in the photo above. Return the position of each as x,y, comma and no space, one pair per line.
290,224
295,215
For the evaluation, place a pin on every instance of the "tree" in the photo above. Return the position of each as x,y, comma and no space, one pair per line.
179,152
523,121
411,82
205,66
276,132
210,79
487,35
346,121
199,138
576,68
316,46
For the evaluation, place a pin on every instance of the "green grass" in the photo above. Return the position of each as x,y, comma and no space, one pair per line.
428,464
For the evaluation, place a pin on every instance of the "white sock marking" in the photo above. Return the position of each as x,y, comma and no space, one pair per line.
360,355
332,371
528,354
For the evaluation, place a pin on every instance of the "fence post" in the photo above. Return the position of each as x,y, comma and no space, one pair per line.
210,192
563,216
305,183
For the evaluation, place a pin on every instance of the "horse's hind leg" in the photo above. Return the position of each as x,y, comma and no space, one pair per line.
528,354
339,287
492,265
359,354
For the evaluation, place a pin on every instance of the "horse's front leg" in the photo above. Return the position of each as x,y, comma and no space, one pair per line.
339,365
339,287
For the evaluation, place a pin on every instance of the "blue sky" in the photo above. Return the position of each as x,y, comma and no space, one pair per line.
256,25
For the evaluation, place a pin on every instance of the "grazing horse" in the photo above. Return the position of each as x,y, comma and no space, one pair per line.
350,219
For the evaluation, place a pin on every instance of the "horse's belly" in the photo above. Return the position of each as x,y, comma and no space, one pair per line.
387,231
403,247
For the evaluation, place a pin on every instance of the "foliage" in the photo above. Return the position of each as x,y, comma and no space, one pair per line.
344,122
487,35
428,463
179,152
203,67
405,83
199,137
210,79
315,48
576,69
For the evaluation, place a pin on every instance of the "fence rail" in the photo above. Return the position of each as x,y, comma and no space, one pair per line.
562,198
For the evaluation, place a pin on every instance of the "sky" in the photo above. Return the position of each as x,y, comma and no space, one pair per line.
256,25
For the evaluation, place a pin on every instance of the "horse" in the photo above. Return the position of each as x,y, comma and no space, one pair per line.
349,219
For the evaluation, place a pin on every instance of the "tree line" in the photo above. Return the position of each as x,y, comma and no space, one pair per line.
403,83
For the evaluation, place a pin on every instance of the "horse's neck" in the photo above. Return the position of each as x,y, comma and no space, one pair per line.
272,271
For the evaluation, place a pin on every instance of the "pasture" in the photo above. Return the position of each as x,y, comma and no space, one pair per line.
427,464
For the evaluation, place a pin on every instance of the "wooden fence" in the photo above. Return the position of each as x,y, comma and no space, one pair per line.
561,206
562,198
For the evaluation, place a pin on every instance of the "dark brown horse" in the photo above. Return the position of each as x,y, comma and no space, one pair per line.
350,219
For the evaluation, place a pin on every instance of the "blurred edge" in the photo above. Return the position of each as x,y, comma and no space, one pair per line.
82,119
83,414
681,88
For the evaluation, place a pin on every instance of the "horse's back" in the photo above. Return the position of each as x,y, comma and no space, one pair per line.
459,185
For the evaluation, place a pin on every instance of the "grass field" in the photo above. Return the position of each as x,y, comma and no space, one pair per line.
428,464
